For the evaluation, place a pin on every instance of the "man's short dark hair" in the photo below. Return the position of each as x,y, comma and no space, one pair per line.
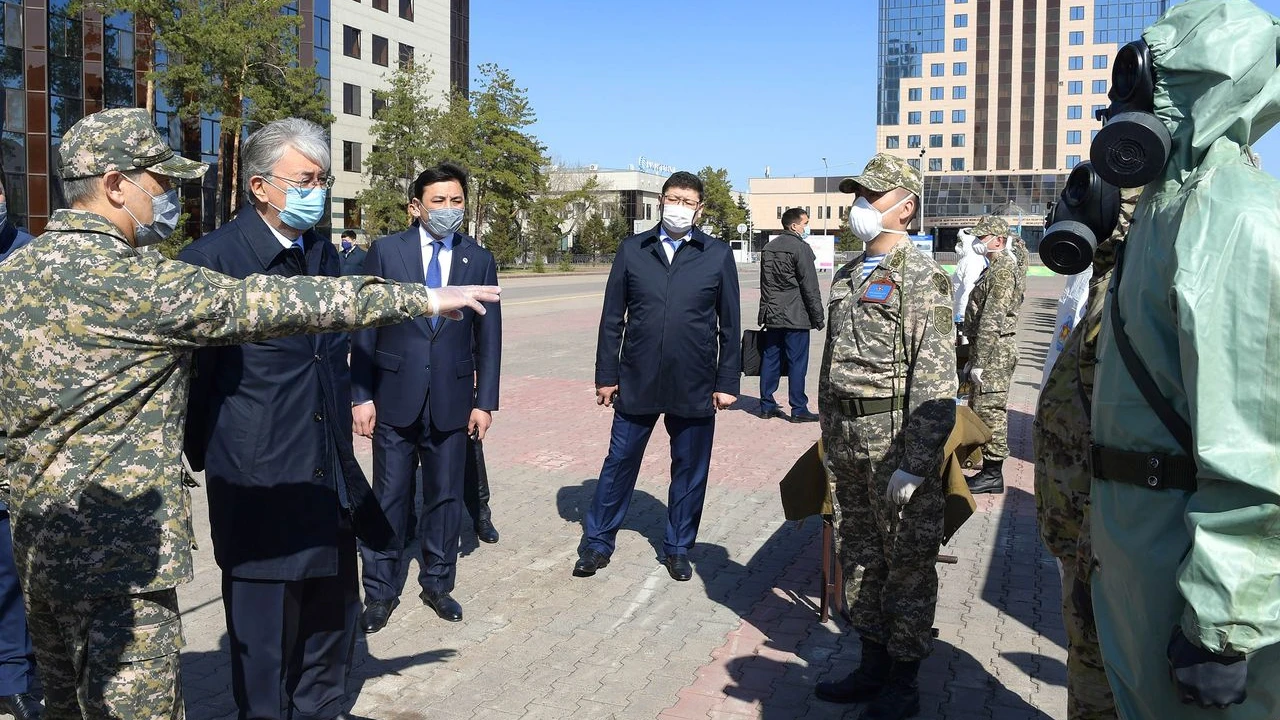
792,216
685,180
351,234
443,172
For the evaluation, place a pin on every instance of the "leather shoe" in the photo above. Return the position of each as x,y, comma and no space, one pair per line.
589,562
485,531
678,567
376,614
776,412
444,605
23,706
804,416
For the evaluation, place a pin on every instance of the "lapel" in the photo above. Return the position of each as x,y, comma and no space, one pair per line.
410,246
464,252
263,244
313,249
654,243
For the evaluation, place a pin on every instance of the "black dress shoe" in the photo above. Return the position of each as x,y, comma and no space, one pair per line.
804,416
444,605
589,562
23,706
376,614
678,567
776,412
485,531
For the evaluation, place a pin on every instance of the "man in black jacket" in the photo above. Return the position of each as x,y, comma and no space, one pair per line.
790,306
350,255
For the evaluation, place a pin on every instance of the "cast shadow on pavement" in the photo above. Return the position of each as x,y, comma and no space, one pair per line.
646,516
1020,423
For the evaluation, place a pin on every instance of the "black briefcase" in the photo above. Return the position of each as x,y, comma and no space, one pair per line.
751,352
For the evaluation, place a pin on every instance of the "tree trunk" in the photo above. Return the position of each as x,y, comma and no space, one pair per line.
222,175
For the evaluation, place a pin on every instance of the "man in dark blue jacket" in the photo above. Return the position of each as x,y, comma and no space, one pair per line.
673,295
351,256
270,423
420,389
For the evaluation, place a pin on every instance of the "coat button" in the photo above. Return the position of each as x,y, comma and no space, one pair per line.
319,472
319,417
317,358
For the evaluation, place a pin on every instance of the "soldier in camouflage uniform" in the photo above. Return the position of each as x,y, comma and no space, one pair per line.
97,339
1061,440
887,400
990,321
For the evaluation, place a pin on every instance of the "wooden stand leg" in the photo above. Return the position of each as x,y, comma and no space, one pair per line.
828,550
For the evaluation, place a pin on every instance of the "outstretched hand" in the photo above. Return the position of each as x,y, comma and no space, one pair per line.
453,299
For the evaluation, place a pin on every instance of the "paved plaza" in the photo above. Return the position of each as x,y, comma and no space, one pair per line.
742,639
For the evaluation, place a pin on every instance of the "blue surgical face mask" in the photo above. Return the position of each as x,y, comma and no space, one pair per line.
303,207
346,245
444,221
164,218
805,232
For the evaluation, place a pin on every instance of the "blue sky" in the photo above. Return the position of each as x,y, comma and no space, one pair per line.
739,84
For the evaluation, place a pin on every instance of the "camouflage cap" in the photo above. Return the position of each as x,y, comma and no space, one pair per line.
991,225
122,139
884,173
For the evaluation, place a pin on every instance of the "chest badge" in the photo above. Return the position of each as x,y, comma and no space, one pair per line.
879,292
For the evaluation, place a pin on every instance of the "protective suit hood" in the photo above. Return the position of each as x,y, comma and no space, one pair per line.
1215,77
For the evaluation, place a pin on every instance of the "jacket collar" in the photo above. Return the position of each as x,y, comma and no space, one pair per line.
264,243
83,221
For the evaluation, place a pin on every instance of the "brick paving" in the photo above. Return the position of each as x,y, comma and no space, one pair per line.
742,639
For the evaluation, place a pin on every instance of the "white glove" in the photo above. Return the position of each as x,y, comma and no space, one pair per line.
975,379
902,486
448,301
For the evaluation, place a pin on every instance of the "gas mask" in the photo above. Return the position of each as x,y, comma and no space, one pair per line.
1133,145
1084,216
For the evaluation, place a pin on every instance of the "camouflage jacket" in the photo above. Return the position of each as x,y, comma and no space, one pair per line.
97,341
901,346
993,308
1023,258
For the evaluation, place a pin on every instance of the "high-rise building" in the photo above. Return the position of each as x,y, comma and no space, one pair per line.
994,100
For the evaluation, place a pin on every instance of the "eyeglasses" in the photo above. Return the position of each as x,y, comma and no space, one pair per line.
687,202
324,181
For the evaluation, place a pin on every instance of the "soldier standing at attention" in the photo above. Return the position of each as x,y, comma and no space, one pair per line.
887,397
990,323
97,339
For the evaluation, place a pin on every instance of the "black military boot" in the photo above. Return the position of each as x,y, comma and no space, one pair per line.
900,698
990,480
864,683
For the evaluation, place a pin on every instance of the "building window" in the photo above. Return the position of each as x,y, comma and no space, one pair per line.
406,9
891,142
380,51
935,93
1077,12
1093,111
957,116
1092,134
913,117
350,156
960,45
1075,62
648,211
1100,87
378,104
957,164
913,141
959,92
935,141
937,69
1099,62
915,94
405,56
914,162
959,69
350,99
380,5
957,140
1073,160
779,212
350,41
1073,137
961,21
1075,87
1074,112
935,164
935,116
1076,38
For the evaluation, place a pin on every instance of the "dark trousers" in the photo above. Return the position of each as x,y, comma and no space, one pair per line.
690,463
475,490
292,641
397,451
17,659
795,344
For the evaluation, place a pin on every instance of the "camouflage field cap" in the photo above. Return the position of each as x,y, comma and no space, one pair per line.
122,139
991,225
884,173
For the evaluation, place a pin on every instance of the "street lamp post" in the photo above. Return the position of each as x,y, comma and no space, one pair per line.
923,167
826,209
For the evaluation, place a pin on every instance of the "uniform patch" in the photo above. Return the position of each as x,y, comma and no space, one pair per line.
943,284
879,292
943,321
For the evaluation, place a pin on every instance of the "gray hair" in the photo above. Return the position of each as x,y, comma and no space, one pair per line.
80,190
264,148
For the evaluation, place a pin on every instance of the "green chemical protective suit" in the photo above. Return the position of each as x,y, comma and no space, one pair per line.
1200,299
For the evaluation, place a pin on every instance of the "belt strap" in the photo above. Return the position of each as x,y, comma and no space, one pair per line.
859,407
1155,470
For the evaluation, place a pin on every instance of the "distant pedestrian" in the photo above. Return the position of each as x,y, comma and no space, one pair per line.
969,265
790,306
350,255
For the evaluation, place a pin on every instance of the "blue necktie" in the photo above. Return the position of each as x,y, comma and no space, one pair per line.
433,274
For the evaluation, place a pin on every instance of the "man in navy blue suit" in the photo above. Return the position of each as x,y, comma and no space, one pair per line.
673,295
420,388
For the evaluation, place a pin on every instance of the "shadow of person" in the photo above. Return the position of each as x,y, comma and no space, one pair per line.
646,514
1022,579
1020,424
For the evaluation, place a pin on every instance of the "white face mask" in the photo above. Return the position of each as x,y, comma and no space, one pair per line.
677,219
867,223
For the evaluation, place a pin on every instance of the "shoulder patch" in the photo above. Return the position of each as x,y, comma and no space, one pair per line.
217,279
942,283
943,321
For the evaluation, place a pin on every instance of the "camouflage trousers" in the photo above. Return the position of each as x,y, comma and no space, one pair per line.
891,581
1088,692
110,658
992,404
